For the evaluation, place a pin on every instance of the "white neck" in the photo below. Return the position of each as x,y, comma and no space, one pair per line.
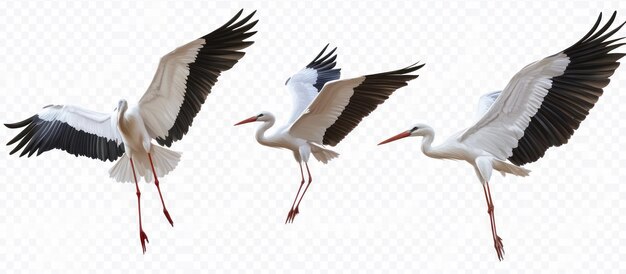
121,122
428,149
260,132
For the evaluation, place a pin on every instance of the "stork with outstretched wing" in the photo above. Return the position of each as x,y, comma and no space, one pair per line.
180,86
325,110
540,108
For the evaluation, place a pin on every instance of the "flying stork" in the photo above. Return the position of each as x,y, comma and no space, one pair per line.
182,82
325,110
540,107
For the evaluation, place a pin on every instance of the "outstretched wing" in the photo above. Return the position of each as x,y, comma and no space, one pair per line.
485,102
76,130
547,100
185,77
341,105
307,83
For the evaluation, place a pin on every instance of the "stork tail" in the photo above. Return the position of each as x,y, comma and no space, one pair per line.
165,160
505,167
322,154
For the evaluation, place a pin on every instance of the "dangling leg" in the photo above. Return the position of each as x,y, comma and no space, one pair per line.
292,211
498,241
156,182
303,192
142,235
490,209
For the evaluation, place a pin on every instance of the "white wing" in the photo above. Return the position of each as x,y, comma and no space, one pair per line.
341,105
485,102
503,125
185,77
545,102
302,91
70,128
306,84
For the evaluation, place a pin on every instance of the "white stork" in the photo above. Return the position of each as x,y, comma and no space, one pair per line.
325,110
180,86
540,107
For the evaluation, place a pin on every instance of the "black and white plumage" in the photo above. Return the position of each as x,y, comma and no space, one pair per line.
305,85
325,116
183,80
78,131
186,75
540,108
324,67
371,91
571,95
557,94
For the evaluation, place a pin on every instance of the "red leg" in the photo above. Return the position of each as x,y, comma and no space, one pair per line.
156,182
142,235
304,192
292,211
490,209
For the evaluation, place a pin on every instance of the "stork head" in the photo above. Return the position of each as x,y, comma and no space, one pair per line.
122,105
416,130
263,116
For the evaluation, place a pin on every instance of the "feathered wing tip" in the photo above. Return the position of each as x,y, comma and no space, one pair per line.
230,22
219,52
326,62
593,37
323,154
234,30
21,124
41,135
573,94
371,92
325,67
164,160
403,71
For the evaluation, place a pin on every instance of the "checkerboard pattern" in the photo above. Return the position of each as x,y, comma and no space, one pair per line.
382,209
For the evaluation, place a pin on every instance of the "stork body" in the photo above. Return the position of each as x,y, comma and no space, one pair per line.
541,107
132,130
164,114
451,149
301,148
325,110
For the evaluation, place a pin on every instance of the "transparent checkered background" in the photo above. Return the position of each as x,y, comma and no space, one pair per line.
375,209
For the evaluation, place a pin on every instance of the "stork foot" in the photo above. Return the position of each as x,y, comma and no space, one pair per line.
292,214
144,239
167,215
499,247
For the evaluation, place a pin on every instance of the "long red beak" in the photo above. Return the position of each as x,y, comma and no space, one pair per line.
249,120
397,137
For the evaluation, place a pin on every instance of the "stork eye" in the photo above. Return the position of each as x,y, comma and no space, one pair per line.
414,128
260,115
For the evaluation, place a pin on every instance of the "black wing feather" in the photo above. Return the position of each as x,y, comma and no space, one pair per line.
325,67
572,94
373,91
218,54
41,135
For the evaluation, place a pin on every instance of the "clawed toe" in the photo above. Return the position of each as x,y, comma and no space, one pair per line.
499,248
291,215
144,239
167,215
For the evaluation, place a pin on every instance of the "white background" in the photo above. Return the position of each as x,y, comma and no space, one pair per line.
374,209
